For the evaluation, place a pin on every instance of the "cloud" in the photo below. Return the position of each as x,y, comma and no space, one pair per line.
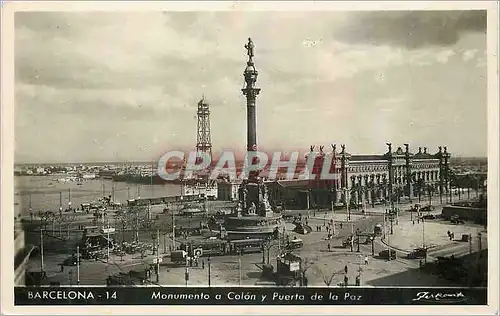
445,55
123,81
410,29
469,54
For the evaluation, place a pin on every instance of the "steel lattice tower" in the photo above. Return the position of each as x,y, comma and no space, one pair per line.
204,140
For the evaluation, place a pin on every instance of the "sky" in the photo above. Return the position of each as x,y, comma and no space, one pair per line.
123,86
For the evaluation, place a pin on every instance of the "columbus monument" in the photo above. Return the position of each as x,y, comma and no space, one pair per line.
251,93
253,216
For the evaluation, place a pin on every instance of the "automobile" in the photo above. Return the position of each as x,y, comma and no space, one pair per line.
385,254
455,219
427,208
295,244
465,237
417,253
429,216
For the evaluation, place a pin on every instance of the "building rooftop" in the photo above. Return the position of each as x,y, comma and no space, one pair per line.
367,157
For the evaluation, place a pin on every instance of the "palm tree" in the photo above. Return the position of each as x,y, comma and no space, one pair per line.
420,185
355,194
372,187
430,189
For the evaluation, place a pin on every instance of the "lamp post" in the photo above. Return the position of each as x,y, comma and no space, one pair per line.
77,265
239,265
209,272
41,251
391,218
186,273
423,239
347,201
470,243
388,243
333,213
357,240
372,239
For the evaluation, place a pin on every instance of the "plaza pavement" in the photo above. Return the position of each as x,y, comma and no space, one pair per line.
320,263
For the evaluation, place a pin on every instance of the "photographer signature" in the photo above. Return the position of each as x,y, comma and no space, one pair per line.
440,297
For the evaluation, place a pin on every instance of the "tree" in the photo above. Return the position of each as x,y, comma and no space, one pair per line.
372,188
328,277
355,192
306,264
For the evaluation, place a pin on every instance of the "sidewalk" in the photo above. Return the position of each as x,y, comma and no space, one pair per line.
432,233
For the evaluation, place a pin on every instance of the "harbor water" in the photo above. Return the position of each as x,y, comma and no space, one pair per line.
48,193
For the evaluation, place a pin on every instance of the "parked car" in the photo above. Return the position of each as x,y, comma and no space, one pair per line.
429,216
455,219
377,230
427,208
384,254
417,253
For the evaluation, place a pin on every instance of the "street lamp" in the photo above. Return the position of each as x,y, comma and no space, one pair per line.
357,240
372,239
77,265
423,239
391,218
239,264
209,272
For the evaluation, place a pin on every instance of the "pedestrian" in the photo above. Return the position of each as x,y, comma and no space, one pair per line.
366,260
203,264
341,225
62,267
329,246
345,269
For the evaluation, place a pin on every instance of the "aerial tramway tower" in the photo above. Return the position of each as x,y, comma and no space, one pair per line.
204,140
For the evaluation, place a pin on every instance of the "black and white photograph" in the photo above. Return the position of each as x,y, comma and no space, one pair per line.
244,154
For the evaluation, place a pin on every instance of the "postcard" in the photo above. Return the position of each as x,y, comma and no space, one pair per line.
250,157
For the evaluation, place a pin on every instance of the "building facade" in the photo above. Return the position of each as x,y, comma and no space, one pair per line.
369,179
227,191
21,256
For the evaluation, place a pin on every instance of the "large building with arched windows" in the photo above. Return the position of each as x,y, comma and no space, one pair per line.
368,179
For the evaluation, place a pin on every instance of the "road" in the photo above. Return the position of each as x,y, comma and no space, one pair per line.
225,269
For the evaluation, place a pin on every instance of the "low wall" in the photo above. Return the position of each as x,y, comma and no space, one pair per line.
478,215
